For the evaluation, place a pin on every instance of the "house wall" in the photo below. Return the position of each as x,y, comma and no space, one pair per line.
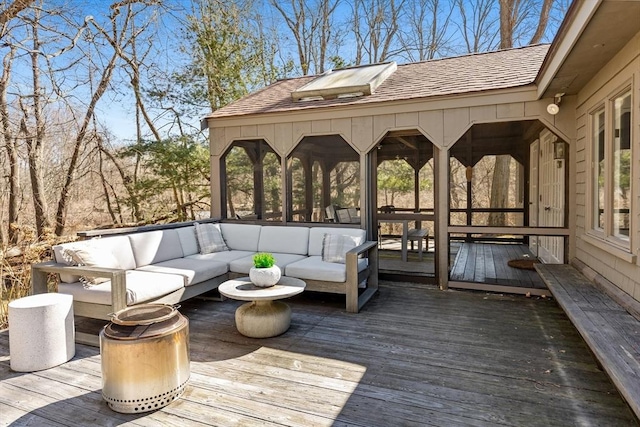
599,258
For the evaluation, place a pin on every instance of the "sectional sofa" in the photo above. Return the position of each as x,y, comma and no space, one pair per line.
107,274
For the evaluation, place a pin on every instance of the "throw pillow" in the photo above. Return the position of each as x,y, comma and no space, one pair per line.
336,246
90,256
210,238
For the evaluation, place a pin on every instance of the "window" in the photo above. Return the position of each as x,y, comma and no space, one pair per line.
598,150
611,176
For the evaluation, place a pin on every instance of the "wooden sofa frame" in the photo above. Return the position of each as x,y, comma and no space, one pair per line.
355,297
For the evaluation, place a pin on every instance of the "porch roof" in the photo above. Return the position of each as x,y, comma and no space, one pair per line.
440,77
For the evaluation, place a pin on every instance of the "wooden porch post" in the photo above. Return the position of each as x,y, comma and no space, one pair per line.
218,186
307,166
326,186
469,177
363,189
441,208
258,180
286,188
416,188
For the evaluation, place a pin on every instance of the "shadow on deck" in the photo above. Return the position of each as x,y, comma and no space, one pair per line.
413,356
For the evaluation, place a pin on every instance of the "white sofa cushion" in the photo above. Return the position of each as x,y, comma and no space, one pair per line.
315,269
187,236
316,237
289,240
209,238
142,286
90,255
119,246
241,237
243,265
226,256
193,270
152,247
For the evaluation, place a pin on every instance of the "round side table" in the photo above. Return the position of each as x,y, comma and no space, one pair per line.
41,331
263,316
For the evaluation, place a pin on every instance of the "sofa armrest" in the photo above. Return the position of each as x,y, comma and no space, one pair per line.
354,300
118,279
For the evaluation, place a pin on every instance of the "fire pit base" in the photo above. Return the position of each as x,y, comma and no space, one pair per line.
145,404
145,358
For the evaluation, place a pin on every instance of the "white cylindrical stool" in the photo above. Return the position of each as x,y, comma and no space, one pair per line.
41,331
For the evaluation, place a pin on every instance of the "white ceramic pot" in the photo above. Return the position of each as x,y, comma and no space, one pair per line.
265,277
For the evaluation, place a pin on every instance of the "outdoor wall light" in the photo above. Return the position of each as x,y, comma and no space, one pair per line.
558,149
554,108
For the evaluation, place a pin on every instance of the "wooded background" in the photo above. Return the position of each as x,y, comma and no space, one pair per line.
100,101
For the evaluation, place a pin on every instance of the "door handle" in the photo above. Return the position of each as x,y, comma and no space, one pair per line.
547,208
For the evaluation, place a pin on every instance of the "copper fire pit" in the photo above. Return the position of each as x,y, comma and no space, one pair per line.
145,358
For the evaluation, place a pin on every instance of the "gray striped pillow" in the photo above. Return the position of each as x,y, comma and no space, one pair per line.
336,246
210,238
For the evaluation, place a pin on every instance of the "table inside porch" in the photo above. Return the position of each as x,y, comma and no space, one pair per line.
404,219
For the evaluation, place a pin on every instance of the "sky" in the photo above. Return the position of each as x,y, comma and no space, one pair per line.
116,109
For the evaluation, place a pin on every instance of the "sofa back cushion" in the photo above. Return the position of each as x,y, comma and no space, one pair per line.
118,246
155,246
288,240
316,237
187,236
241,237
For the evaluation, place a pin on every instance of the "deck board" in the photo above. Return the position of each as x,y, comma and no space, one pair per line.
487,263
599,319
413,356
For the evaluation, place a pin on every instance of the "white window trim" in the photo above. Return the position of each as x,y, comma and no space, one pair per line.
604,238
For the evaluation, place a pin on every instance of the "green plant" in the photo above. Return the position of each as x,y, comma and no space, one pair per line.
263,260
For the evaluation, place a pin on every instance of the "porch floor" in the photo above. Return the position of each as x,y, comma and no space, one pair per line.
413,356
487,263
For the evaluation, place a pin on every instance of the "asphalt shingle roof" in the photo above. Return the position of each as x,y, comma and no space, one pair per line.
440,77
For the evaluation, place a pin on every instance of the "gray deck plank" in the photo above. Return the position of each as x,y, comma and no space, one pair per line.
413,356
487,263
597,318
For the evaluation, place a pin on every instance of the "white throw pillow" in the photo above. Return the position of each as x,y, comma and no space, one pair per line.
90,256
336,246
210,238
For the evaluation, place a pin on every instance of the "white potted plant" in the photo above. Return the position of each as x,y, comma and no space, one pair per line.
264,272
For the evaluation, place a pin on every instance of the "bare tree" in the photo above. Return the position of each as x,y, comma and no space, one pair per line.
11,12
477,22
35,139
425,34
10,143
515,19
312,25
375,27
121,20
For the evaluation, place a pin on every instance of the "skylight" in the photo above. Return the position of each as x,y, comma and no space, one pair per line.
345,83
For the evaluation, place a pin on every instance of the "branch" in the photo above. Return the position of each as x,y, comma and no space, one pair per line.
13,10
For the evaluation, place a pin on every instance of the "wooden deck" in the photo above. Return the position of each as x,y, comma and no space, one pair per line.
413,356
487,263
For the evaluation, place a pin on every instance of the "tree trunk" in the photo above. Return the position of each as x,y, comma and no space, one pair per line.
61,213
34,144
542,22
10,143
500,190
507,23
